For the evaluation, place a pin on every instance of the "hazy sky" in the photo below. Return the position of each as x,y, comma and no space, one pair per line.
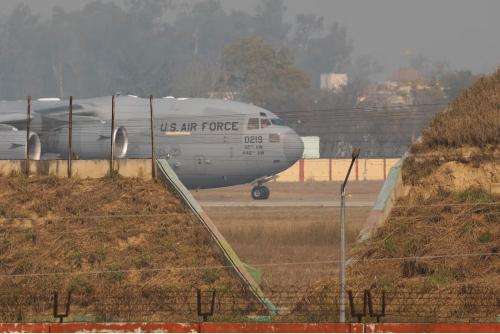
465,33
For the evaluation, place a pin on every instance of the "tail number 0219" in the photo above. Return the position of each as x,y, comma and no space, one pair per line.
253,140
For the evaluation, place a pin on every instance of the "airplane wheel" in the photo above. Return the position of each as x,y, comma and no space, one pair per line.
267,192
260,193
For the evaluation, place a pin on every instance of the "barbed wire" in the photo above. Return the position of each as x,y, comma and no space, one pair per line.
261,265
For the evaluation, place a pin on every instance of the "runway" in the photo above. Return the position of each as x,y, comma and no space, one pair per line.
270,203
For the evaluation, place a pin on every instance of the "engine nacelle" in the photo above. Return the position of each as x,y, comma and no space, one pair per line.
90,140
13,144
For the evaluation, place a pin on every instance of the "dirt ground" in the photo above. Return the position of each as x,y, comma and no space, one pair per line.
291,246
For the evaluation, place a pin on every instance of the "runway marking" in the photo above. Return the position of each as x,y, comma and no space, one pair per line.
265,203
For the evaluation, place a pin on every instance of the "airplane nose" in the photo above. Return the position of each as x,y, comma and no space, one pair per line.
293,147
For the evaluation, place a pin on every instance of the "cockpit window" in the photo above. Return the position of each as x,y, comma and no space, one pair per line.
253,124
264,123
277,121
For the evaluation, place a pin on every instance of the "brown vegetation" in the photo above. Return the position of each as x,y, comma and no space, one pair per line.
299,243
473,119
437,255
101,237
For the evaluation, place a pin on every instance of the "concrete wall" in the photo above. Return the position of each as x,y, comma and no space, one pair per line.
303,170
248,327
336,169
141,168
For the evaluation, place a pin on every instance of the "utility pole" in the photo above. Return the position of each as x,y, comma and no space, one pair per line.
153,158
355,155
28,130
112,167
70,134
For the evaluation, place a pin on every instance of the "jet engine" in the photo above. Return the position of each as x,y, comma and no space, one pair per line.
90,140
13,144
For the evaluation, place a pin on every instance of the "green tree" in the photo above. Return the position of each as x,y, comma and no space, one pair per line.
270,23
263,75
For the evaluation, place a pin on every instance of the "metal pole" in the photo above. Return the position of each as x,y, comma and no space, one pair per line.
28,130
355,155
70,134
342,256
153,158
112,133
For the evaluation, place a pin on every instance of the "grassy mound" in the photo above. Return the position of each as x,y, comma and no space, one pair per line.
473,119
110,237
437,256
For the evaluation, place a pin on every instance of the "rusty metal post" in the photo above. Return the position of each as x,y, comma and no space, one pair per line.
153,157
56,314
210,311
70,134
370,305
28,130
112,167
354,314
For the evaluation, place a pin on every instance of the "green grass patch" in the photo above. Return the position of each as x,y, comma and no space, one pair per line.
475,194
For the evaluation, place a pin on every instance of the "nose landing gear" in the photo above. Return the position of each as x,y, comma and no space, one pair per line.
260,192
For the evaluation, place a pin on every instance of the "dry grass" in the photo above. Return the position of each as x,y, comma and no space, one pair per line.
473,119
285,235
104,253
447,209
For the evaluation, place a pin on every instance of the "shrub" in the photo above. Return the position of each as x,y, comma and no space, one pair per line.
485,237
475,194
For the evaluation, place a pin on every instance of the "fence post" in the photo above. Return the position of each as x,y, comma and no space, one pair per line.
61,316
28,130
70,134
112,163
153,158
355,155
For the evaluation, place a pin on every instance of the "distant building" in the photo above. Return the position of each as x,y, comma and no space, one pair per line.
311,147
333,81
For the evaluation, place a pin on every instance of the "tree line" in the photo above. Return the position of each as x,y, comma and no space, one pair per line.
163,48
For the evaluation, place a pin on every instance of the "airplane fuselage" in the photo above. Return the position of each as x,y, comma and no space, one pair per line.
209,143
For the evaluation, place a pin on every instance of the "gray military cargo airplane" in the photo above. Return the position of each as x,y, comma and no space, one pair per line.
209,143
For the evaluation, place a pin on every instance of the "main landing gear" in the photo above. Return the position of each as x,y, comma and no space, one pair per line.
260,192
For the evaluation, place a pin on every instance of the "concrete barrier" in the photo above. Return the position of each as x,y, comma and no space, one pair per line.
393,188
336,169
168,175
141,168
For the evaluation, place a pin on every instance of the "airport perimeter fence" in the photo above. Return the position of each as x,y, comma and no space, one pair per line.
77,119
294,305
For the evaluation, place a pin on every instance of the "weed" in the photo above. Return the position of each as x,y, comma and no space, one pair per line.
143,260
210,276
114,274
76,259
81,285
389,246
412,268
485,237
411,247
24,266
475,194
97,256
30,235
